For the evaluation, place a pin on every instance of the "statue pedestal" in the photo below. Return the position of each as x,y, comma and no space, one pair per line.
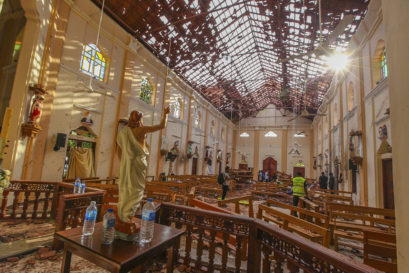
127,231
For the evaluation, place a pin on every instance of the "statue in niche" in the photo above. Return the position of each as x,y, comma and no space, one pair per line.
35,110
243,158
87,119
172,155
133,152
383,133
196,154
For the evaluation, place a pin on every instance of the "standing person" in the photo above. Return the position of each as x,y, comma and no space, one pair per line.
133,153
323,181
226,182
274,177
299,189
267,177
331,181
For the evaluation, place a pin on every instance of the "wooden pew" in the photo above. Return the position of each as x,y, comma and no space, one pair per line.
288,222
308,204
236,202
350,222
380,251
266,195
209,191
304,214
336,192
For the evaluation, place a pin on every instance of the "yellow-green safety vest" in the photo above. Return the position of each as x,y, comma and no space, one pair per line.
298,186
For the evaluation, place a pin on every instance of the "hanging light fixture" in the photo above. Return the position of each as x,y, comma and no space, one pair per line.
91,89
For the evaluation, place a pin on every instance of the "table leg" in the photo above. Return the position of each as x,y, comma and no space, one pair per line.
173,253
66,262
171,260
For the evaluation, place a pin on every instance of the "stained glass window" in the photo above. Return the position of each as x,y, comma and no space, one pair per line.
93,62
146,91
384,67
177,112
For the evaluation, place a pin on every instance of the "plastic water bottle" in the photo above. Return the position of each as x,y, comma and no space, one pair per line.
77,185
82,187
148,220
108,224
90,219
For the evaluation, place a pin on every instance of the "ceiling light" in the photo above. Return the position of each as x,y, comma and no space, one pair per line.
337,62
244,134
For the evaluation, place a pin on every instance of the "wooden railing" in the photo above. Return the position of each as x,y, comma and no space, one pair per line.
269,247
48,199
30,199
71,207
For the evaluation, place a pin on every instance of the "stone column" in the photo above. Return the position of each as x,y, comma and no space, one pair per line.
284,143
396,16
256,154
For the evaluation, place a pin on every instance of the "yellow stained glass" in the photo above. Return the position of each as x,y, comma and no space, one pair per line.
93,62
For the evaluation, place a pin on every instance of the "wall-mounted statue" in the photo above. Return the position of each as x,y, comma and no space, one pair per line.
133,153
189,153
35,110
87,119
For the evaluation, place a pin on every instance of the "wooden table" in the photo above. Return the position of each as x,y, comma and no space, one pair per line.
120,256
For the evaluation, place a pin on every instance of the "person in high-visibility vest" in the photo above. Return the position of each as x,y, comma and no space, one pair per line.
299,188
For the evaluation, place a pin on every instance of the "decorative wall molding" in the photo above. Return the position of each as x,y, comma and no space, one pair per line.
382,86
381,120
350,114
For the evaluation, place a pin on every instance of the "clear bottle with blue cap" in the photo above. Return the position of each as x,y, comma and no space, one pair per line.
148,222
108,224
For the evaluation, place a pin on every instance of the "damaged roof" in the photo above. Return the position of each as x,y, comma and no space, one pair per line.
240,54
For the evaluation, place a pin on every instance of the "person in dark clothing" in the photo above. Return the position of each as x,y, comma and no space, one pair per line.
323,181
275,177
331,181
226,183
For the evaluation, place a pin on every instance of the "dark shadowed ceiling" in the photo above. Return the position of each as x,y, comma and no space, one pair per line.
231,51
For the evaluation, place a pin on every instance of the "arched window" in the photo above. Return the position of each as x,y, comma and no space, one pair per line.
270,134
350,97
212,128
93,62
384,67
146,91
379,63
198,118
177,108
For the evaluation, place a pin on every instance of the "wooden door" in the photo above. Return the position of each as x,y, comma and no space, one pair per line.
299,169
194,166
387,177
270,165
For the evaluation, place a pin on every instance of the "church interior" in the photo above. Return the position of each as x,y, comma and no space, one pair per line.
262,130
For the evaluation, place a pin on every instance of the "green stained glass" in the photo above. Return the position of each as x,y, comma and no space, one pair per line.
384,66
146,91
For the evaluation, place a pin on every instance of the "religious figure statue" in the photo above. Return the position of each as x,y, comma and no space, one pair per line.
36,107
133,152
